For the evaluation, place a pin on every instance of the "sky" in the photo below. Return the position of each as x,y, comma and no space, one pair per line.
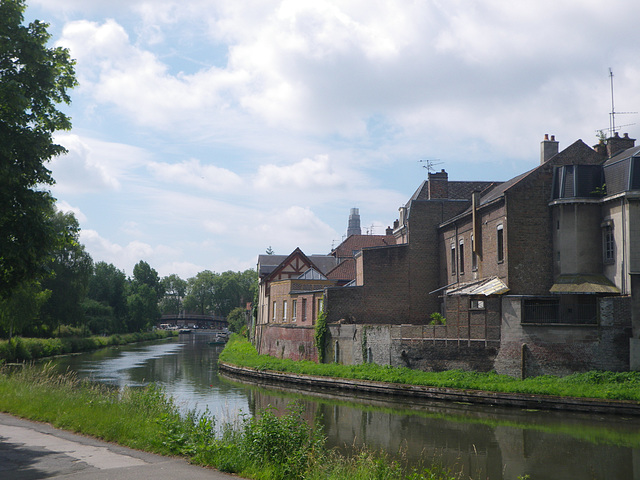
205,132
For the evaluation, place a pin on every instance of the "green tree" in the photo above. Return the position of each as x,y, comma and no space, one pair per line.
20,312
145,290
107,287
34,79
201,298
237,319
175,289
71,270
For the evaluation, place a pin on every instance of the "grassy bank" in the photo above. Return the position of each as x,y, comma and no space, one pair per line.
263,447
20,349
603,385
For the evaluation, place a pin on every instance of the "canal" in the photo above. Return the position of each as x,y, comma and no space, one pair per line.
483,442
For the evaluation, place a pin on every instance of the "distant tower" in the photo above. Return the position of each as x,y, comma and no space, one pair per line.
354,222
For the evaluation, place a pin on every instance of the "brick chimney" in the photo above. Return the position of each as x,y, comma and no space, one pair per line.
616,144
438,185
548,148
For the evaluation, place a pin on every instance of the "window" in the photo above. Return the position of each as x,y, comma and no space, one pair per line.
474,256
461,254
274,311
294,308
500,243
284,311
304,309
476,304
608,245
453,259
320,305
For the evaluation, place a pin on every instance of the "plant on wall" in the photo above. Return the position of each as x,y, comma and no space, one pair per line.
437,319
320,334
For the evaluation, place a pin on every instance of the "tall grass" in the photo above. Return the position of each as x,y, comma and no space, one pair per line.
602,385
266,446
20,349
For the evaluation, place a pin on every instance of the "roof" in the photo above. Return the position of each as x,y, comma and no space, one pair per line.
346,270
630,152
486,287
355,243
457,190
275,263
583,283
312,274
268,263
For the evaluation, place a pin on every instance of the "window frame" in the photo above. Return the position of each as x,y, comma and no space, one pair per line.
294,308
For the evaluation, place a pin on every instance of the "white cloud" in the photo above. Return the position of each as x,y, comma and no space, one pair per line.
305,174
63,206
124,256
83,169
192,173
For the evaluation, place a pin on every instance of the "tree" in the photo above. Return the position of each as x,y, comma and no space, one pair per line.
33,80
71,269
201,290
175,289
145,290
20,312
237,319
107,286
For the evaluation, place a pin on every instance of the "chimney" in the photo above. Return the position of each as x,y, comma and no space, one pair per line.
389,231
616,144
438,185
354,222
548,148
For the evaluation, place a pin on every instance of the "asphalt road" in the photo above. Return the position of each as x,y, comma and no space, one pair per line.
31,451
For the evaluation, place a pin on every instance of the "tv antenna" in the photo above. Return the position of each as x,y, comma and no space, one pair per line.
429,164
612,115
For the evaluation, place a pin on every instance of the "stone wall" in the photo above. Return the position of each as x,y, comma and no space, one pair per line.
530,350
421,347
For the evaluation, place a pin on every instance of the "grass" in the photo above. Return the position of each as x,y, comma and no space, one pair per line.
594,384
265,447
20,349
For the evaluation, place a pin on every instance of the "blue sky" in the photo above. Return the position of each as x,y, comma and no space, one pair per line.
206,131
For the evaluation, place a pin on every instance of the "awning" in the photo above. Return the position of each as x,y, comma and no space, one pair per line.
486,287
584,284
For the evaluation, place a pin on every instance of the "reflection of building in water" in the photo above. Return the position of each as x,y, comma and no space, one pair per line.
483,442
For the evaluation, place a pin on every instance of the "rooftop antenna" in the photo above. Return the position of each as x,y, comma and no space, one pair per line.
612,115
429,163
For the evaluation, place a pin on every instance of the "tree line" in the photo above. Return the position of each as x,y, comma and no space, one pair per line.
48,282
78,296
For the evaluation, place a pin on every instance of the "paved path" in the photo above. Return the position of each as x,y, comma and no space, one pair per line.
30,451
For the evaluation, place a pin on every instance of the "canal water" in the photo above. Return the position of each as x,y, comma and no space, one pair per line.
483,442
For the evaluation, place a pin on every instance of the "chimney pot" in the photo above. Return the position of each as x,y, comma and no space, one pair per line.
546,136
553,138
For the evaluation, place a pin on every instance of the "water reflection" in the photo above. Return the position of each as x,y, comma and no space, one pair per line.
484,442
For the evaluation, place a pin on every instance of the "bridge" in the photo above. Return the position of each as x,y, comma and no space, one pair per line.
189,320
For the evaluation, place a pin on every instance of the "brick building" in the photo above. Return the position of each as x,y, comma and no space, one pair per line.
534,275
291,294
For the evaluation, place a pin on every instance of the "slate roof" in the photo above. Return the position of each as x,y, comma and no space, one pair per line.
355,243
457,190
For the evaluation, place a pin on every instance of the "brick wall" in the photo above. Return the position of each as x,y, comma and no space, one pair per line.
287,341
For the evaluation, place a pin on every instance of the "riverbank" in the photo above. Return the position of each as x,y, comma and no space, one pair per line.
20,349
593,392
266,446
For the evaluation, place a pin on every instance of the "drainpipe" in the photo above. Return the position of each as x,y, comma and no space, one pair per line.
624,246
